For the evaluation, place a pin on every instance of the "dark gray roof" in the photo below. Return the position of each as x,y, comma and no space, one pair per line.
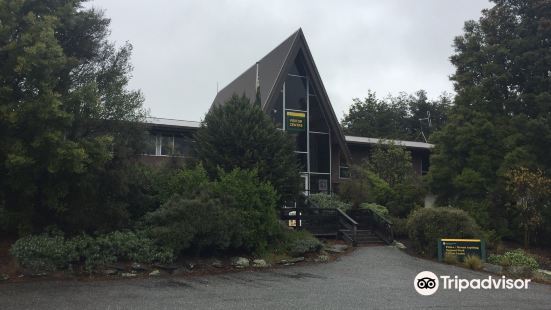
269,68
269,71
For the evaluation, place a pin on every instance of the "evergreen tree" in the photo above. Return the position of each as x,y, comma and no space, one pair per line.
396,117
66,118
501,118
238,134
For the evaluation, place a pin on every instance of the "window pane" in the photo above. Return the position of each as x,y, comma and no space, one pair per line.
295,93
166,145
277,111
183,145
319,153
344,172
320,183
302,161
300,141
149,147
317,119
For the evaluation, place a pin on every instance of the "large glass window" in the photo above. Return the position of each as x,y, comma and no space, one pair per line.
317,119
167,144
319,153
295,93
150,144
183,145
302,161
300,141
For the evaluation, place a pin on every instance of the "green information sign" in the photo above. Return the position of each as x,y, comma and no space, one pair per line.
461,248
295,121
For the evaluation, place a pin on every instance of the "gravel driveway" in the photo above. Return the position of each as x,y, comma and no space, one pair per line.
369,278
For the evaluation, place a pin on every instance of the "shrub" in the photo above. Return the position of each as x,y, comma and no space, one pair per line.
43,253
365,186
450,259
235,212
49,253
323,200
380,210
91,252
302,242
425,226
473,262
181,224
514,258
252,204
399,227
407,197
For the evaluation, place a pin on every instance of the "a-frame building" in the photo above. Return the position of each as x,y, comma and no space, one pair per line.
291,92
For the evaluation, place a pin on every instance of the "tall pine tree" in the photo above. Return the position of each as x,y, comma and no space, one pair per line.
66,117
502,113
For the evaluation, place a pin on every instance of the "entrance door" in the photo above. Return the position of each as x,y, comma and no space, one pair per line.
305,184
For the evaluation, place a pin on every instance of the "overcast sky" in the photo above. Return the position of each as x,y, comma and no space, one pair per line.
183,49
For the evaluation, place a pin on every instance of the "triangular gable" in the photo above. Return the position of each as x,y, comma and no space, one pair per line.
271,72
269,68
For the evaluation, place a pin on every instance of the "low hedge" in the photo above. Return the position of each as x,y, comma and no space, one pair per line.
517,258
323,200
425,226
44,253
302,242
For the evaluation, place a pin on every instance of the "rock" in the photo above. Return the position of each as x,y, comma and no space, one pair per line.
118,266
519,271
492,268
291,261
337,248
4,277
170,267
137,267
189,265
217,263
181,270
322,259
542,274
109,272
240,262
128,274
259,263
399,245
155,272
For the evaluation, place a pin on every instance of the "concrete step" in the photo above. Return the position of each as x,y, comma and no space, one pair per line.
364,237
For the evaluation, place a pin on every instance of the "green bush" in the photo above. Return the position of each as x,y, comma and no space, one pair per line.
302,242
365,186
237,211
473,262
93,253
199,224
514,258
450,259
406,197
323,200
380,210
399,227
49,253
43,253
425,226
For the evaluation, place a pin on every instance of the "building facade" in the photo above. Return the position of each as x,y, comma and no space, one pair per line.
291,92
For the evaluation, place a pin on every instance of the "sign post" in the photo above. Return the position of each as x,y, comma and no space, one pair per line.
461,248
